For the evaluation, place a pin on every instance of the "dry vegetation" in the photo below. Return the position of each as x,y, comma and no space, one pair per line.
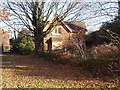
32,72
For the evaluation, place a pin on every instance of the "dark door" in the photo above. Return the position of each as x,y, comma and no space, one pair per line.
49,44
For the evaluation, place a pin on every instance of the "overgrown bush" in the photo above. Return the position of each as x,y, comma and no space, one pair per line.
23,45
54,57
102,67
103,60
105,51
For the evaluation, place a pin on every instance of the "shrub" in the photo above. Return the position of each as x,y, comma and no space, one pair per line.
103,60
105,51
102,67
23,45
54,57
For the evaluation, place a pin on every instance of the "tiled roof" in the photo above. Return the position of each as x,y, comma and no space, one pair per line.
74,26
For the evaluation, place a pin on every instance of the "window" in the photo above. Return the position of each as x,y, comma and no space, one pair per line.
57,30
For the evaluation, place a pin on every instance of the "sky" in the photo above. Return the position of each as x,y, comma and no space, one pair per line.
69,0
92,24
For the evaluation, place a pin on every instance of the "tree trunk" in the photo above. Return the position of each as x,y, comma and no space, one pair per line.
39,44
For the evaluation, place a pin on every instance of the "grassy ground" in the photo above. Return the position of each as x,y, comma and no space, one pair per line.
32,72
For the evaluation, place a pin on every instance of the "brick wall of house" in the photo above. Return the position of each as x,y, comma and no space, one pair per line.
5,39
73,39
58,41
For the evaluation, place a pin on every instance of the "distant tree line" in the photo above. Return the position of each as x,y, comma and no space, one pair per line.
103,35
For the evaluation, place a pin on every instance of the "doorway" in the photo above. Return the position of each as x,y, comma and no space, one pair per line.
49,44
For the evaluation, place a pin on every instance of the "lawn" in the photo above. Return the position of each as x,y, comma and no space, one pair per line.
29,71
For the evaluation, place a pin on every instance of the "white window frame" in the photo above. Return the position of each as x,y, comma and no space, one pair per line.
53,33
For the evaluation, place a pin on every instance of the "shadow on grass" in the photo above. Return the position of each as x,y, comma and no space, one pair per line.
30,65
37,68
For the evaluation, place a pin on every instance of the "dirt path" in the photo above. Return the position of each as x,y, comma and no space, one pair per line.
32,72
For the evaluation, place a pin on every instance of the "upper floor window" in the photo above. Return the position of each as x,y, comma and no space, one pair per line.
57,31
60,30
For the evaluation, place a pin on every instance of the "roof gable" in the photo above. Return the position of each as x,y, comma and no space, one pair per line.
70,26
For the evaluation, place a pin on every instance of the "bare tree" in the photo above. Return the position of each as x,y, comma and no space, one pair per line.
96,13
78,42
113,28
36,15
